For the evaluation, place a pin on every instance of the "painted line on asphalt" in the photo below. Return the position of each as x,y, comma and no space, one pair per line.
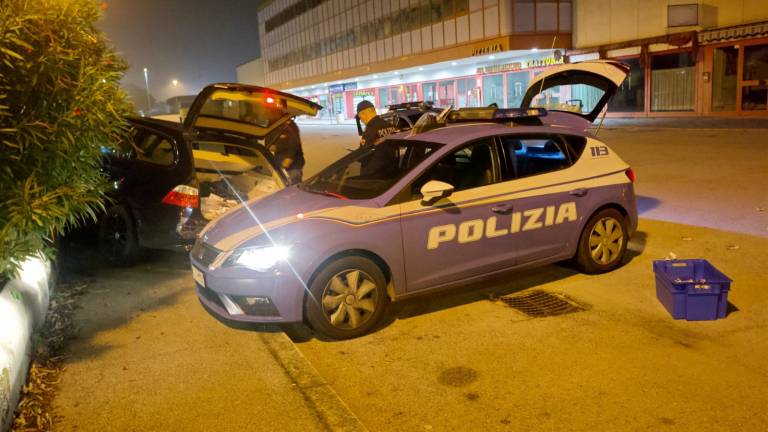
321,398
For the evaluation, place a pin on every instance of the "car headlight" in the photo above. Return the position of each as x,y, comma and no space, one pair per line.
259,258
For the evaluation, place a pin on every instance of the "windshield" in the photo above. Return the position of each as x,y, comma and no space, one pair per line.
370,171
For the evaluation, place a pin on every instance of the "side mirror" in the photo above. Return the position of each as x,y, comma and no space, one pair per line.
434,191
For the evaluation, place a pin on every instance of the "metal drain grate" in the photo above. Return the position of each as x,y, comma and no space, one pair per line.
541,304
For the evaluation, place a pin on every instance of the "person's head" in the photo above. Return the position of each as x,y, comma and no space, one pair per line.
366,111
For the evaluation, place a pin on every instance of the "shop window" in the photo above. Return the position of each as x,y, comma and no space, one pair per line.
523,13
756,62
630,96
394,95
445,96
428,90
383,97
754,97
493,90
673,82
724,78
468,93
517,83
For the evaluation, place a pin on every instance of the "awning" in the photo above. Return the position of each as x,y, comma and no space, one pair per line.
733,32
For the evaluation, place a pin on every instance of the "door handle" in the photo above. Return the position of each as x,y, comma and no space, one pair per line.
580,192
502,208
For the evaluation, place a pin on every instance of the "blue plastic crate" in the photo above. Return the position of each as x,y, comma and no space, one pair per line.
691,289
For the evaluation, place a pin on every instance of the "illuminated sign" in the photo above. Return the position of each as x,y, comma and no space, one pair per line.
524,64
488,49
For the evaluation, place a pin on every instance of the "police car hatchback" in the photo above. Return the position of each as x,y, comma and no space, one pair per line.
465,195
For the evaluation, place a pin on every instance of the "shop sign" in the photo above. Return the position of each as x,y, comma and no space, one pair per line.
525,64
350,86
336,88
362,93
488,49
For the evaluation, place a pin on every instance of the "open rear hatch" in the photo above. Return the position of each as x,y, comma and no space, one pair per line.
227,126
582,89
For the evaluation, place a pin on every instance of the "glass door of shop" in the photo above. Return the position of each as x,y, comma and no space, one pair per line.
411,93
493,90
337,104
445,94
394,95
754,91
429,90
517,83
468,93
725,72
323,101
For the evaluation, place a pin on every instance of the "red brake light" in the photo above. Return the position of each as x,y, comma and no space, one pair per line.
270,99
182,196
630,174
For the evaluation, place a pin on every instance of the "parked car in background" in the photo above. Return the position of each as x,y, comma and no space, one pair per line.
464,195
169,179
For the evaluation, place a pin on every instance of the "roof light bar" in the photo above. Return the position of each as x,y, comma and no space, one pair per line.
495,114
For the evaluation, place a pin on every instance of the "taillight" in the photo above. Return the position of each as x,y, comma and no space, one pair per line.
630,174
182,196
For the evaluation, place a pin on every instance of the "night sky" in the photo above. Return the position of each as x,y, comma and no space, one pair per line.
196,42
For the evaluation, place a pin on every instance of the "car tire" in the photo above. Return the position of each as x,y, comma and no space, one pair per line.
118,240
603,242
347,298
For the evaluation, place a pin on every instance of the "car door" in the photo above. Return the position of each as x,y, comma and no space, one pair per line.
545,195
461,236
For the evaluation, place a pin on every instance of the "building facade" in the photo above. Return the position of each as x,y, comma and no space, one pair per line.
687,57
460,52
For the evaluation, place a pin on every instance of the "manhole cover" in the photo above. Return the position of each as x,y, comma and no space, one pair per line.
541,304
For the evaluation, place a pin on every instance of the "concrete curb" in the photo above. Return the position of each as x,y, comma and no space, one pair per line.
333,413
23,305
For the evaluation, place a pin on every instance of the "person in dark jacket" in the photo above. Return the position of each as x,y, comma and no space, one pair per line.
285,143
375,127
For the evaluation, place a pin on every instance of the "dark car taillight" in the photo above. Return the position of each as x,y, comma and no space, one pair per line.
630,174
182,196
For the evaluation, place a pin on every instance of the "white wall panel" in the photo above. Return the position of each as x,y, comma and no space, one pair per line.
462,29
365,54
416,41
407,49
372,52
426,38
388,48
449,32
380,52
397,46
437,35
476,25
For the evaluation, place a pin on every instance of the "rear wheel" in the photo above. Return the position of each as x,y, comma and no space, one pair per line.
348,297
603,242
118,240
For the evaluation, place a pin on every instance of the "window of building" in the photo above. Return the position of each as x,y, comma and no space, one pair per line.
517,83
564,12
394,95
673,82
447,8
437,10
546,15
754,93
754,97
468,93
383,97
523,13
445,93
426,13
493,90
630,96
429,92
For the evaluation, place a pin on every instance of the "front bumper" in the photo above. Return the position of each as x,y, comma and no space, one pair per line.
241,294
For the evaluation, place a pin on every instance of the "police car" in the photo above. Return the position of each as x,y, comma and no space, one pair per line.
465,195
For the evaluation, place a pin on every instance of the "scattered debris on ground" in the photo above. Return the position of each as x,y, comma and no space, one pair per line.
34,410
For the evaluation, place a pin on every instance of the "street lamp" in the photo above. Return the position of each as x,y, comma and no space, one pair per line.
175,83
146,83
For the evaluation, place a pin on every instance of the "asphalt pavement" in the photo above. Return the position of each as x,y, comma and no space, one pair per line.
148,357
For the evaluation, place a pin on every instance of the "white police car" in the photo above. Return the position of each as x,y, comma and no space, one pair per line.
473,193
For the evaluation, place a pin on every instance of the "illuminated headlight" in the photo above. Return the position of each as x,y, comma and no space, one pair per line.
260,258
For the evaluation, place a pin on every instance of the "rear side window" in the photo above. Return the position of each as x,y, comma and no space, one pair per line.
152,147
529,155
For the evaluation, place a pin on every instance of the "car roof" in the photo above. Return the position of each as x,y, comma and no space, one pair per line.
459,133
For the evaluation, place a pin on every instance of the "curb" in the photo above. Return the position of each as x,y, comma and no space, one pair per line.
332,412
23,305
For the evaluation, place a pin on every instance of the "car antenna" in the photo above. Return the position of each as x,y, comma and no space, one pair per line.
600,125
541,87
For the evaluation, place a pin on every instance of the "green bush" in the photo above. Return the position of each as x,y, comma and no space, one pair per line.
60,102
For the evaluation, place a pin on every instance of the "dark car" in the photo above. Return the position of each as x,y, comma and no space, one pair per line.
169,179
403,116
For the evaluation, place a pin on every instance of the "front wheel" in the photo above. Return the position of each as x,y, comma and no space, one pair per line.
347,298
603,242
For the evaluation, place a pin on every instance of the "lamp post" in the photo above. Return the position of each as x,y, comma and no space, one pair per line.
146,83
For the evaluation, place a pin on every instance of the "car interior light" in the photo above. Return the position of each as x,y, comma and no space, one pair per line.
182,196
